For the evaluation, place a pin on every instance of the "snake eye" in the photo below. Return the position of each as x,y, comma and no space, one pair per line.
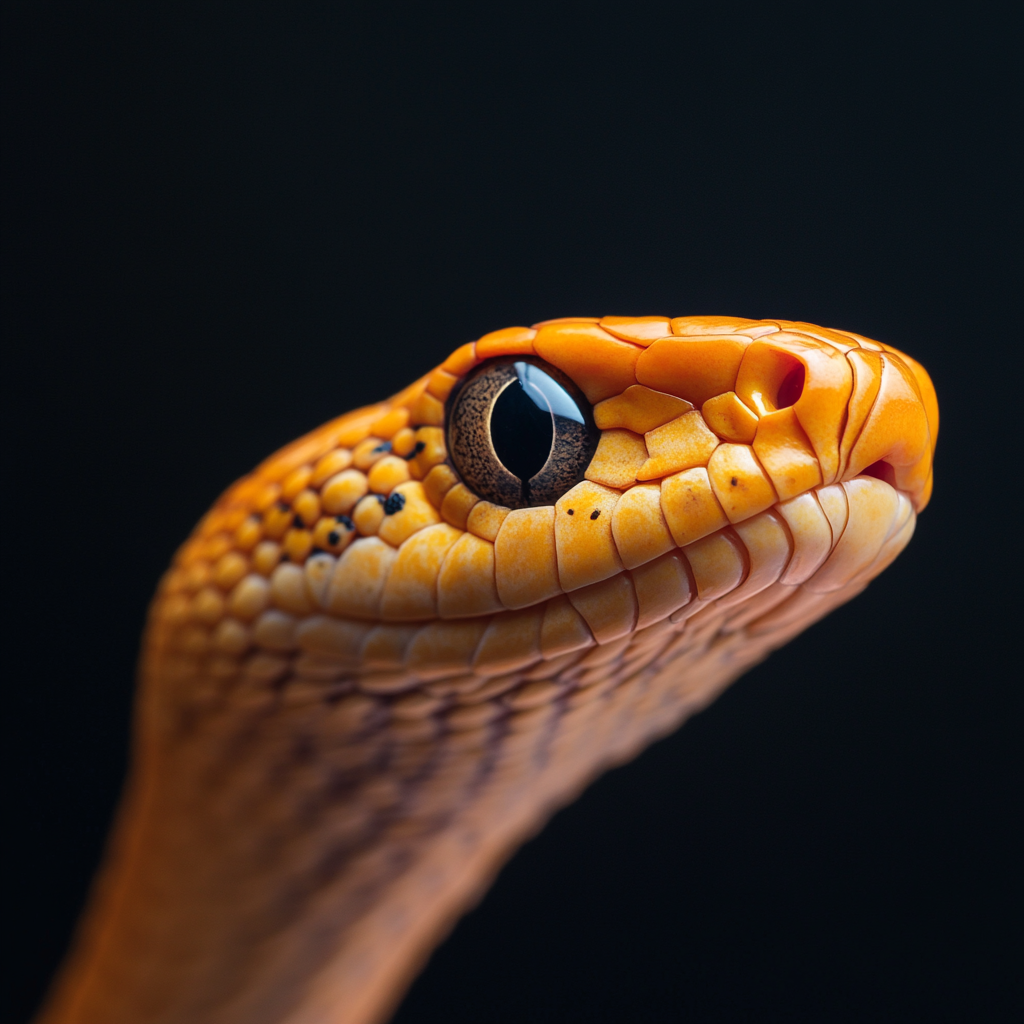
520,433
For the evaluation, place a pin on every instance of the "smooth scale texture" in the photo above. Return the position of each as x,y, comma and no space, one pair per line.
363,685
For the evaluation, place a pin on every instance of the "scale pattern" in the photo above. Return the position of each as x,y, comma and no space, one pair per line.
363,686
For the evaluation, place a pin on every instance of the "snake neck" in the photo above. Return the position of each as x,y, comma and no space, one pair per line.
286,849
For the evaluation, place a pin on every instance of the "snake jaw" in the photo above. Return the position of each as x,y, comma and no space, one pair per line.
364,684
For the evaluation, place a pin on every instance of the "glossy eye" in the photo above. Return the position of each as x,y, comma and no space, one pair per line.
520,433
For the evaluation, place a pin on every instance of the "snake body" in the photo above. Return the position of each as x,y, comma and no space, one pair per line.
363,684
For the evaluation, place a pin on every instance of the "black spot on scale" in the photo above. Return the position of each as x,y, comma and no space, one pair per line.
345,521
298,523
333,537
417,448
595,513
394,504
384,446
734,481
571,511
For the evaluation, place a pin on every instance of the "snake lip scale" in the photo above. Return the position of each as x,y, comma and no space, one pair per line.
384,658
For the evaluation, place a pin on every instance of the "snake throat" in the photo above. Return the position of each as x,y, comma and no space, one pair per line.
364,682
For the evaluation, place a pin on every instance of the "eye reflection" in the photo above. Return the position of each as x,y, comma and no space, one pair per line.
520,433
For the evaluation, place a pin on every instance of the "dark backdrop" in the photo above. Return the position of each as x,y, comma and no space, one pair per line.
224,225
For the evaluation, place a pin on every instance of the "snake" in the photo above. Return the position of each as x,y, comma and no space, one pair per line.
388,655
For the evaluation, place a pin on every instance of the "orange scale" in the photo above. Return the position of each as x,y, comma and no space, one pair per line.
638,409
638,526
694,368
427,411
306,506
729,418
926,391
867,378
348,431
583,535
215,546
462,360
696,326
619,457
609,607
457,504
265,497
404,442
333,534
446,648
277,520
511,641
295,481
640,330
486,519
718,563
230,568
358,582
298,544
414,513
437,483
663,586
564,630
369,451
785,451
411,589
601,365
680,444
266,556
332,463
390,423
387,474
526,563
465,583
507,342
432,453
842,342
691,509
896,430
440,384
768,544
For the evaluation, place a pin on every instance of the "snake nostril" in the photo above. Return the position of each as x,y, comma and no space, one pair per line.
791,388
881,471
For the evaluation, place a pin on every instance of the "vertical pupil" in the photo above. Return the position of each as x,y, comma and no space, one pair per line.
522,430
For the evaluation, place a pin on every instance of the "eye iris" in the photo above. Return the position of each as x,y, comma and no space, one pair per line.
522,429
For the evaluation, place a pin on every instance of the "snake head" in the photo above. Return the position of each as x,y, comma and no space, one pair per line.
550,488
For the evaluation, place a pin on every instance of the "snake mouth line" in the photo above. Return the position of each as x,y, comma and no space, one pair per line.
707,426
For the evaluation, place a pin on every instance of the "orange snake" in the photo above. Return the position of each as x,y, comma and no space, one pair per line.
388,655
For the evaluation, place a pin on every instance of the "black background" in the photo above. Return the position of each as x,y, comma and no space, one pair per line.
224,225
